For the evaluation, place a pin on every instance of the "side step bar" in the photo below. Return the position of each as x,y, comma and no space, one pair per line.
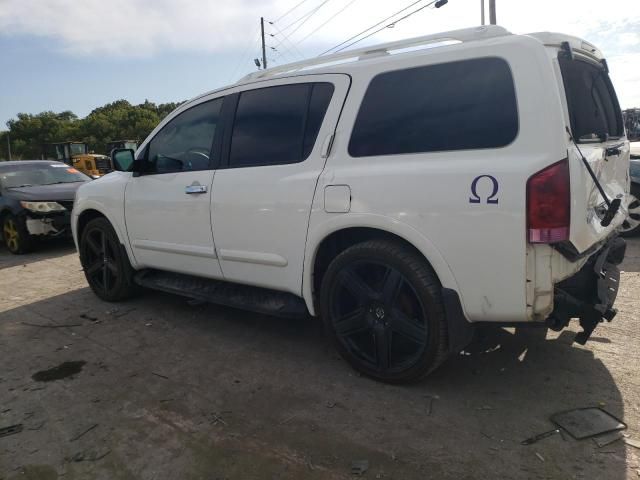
245,297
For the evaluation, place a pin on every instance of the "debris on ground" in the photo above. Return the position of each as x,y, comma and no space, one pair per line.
10,430
540,457
86,316
359,467
540,436
84,432
288,419
52,325
215,418
38,426
587,422
116,312
88,456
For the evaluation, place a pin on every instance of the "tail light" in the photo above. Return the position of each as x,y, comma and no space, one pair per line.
549,204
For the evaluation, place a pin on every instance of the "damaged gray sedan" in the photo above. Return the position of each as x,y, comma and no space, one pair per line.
36,199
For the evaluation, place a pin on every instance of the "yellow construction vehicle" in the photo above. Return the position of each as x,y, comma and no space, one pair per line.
76,154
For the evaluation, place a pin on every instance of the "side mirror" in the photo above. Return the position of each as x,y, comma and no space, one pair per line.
122,159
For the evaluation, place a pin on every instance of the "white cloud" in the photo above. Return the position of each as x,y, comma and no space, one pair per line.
138,28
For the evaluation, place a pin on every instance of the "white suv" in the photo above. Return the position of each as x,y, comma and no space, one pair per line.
403,192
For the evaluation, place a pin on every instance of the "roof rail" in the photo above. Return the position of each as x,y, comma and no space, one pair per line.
462,35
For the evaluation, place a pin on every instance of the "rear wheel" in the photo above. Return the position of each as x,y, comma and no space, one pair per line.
382,306
16,237
631,226
105,262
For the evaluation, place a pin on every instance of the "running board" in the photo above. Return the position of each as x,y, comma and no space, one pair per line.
256,299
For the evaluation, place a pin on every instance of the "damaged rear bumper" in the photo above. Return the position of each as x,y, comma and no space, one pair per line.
589,295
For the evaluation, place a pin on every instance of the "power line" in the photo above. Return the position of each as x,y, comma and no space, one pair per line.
388,25
373,26
289,11
304,17
243,57
285,38
330,18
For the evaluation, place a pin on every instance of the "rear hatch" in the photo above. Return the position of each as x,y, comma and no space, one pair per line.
596,125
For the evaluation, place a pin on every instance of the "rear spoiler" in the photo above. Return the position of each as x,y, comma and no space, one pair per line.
565,48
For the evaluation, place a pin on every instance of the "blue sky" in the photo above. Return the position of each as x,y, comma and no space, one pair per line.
69,55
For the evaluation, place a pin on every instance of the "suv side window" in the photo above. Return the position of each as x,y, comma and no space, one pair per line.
278,125
186,142
468,104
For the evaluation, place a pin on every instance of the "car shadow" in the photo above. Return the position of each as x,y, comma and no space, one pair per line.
159,357
43,250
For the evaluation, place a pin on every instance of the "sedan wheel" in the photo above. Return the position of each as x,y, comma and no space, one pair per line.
15,235
631,226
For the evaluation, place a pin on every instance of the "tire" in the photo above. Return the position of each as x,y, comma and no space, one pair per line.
105,262
382,307
631,226
15,235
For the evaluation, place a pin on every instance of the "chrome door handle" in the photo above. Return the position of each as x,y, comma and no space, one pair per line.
191,189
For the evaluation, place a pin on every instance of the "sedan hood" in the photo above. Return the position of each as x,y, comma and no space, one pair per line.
58,191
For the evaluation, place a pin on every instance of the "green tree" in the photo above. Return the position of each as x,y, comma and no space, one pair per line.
118,120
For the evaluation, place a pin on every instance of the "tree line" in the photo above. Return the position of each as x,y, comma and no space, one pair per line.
114,121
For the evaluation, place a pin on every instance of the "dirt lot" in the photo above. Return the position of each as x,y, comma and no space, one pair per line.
167,390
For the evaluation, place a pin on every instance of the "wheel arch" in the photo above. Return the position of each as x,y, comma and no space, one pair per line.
91,212
328,240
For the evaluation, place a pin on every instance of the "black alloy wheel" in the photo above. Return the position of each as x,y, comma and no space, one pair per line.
105,262
382,305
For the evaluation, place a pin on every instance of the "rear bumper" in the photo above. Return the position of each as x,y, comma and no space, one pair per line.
589,295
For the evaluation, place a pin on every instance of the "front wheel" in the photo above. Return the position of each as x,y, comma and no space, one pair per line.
105,262
16,237
382,306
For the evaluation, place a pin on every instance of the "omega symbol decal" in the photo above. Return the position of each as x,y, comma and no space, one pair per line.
490,182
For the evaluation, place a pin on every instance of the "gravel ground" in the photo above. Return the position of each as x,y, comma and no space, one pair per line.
156,388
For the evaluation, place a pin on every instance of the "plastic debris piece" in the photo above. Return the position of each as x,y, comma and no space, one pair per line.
587,422
540,436
359,467
607,438
10,430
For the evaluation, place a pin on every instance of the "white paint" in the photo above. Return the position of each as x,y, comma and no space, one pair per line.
337,198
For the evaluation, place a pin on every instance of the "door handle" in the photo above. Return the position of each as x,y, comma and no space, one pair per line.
191,189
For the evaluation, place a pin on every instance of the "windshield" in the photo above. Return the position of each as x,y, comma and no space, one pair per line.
12,176
78,149
594,111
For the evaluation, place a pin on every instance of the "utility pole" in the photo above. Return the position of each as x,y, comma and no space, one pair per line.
492,12
9,146
264,51
482,12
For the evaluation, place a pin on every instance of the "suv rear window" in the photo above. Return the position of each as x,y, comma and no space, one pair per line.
594,111
462,105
